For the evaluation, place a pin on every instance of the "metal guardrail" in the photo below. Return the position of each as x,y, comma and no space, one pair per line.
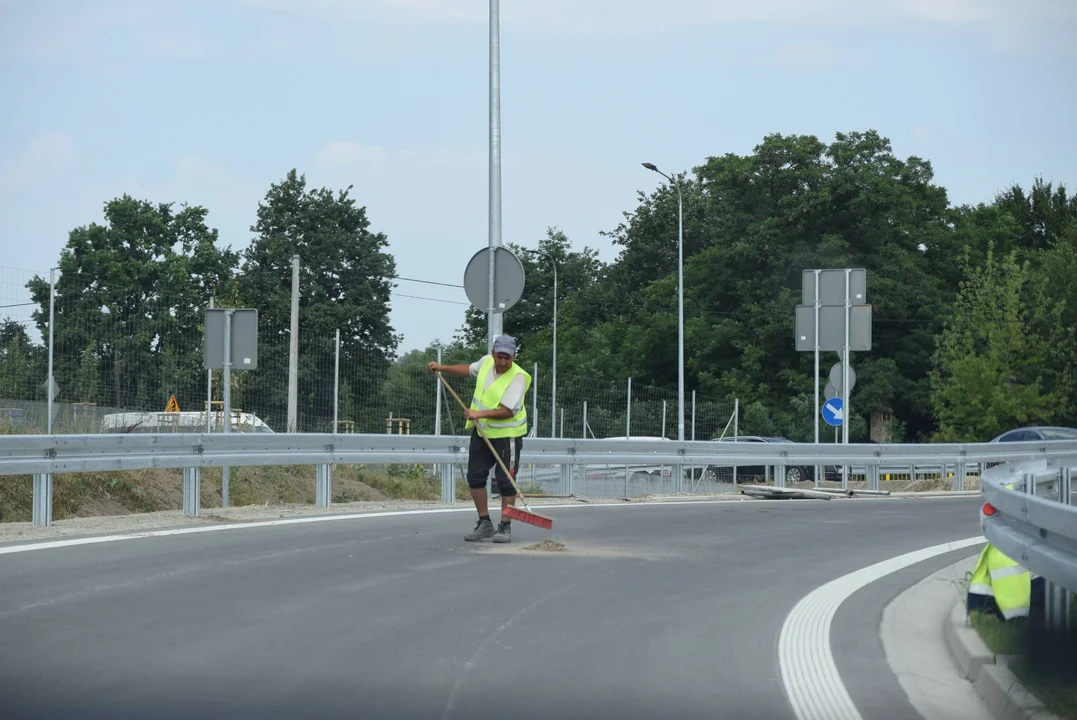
1029,515
45,455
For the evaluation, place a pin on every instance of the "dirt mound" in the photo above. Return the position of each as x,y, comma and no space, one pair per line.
547,545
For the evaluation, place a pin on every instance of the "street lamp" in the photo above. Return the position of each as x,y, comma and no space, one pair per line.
680,300
553,407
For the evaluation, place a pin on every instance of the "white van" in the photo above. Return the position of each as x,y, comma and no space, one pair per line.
180,422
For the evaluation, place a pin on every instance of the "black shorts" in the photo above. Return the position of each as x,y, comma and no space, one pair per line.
480,460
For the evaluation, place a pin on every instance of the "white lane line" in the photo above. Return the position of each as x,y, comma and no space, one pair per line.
810,677
53,544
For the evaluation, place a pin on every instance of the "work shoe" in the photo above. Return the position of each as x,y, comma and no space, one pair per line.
504,533
483,529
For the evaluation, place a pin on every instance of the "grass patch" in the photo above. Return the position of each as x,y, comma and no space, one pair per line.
1045,661
532,490
138,491
85,494
407,482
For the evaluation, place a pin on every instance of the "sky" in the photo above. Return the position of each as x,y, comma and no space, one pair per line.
208,102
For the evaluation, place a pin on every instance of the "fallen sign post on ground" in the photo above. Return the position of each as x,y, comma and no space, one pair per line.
775,493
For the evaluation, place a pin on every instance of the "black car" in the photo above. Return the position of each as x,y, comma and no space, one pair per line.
793,473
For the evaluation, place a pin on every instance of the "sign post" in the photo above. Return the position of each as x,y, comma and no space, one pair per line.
834,316
231,334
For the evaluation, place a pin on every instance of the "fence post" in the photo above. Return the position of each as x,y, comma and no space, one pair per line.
52,382
43,499
628,420
534,399
192,490
323,485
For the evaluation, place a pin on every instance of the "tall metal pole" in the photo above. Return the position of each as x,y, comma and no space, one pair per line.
493,317
553,390
693,416
209,391
534,398
336,383
437,408
227,392
628,419
817,409
680,315
680,299
845,369
52,318
293,355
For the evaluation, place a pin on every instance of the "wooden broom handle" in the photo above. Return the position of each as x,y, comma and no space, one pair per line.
490,445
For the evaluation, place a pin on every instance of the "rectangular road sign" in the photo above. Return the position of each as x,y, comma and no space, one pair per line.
832,287
244,346
832,328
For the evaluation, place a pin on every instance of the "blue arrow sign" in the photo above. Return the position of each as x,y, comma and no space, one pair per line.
833,413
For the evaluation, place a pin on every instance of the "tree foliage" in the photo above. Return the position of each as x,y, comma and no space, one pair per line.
344,283
128,300
974,306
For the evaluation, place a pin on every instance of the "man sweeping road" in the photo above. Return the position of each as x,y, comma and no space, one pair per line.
498,404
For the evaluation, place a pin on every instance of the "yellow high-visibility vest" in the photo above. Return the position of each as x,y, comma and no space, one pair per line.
1003,579
490,399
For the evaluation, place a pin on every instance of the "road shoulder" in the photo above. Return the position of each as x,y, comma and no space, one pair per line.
912,632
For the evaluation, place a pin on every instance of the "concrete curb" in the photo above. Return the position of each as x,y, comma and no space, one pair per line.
1003,694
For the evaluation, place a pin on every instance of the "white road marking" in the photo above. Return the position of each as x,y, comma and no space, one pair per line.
53,544
809,675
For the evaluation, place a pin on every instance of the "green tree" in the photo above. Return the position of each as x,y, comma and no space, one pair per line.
990,365
345,281
129,292
531,319
22,364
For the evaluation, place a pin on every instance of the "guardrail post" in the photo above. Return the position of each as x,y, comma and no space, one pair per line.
779,476
448,491
960,470
873,477
565,484
43,499
192,490
677,479
323,485
1056,597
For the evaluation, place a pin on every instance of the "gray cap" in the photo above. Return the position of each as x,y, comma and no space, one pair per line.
505,344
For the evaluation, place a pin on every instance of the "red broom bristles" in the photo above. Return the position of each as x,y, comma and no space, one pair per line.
531,518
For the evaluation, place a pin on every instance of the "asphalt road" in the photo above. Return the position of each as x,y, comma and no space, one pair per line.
652,611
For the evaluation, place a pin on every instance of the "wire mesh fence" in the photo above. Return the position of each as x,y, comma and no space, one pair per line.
137,366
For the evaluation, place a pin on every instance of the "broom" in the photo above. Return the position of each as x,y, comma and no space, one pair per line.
527,515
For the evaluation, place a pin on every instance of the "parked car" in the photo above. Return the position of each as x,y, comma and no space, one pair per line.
1031,434
1043,433
793,473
